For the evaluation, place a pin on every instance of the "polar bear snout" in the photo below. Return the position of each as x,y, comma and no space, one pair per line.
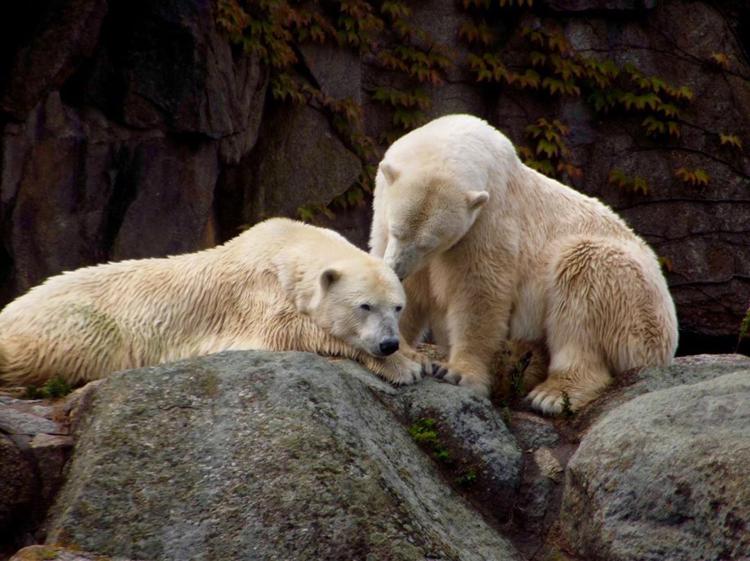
388,346
378,334
400,258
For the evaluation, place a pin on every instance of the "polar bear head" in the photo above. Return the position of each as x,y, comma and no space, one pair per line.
360,301
426,213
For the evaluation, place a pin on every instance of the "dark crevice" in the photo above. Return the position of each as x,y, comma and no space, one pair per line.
19,23
125,183
692,343
229,202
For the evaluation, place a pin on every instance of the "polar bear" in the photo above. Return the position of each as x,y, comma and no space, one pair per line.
281,285
492,250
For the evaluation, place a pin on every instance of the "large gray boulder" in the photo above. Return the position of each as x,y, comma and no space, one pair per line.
253,455
665,475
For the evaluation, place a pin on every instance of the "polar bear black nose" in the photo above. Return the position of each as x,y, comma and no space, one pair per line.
388,346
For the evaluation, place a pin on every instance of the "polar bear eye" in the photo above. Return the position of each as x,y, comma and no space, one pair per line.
365,307
399,308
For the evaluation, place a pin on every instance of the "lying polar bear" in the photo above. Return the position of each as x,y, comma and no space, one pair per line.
281,285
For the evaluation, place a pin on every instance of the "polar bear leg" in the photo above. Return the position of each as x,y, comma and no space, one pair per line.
599,303
74,341
414,318
575,378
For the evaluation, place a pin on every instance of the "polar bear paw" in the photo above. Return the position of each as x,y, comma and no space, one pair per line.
452,376
445,373
400,370
552,398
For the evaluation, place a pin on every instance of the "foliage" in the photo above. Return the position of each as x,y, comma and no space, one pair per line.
506,414
408,108
467,479
272,31
425,433
697,177
517,388
511,45
546,66
730,140
549,151
666,264
721,60
634,184
54,387
744,327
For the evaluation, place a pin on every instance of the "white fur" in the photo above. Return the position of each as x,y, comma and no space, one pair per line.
281,285
536,262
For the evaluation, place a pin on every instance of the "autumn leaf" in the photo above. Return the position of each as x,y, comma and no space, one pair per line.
721,59
730,140
666,264
696,177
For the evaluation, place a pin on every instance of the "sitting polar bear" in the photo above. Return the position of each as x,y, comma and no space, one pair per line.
281,285
491,250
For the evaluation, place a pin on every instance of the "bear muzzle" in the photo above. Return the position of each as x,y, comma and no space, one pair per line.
388,346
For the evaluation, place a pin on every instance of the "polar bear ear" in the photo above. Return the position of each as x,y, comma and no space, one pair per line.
477,199
389,172
328,277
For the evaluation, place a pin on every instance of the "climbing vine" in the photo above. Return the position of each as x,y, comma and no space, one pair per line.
272,30
508,46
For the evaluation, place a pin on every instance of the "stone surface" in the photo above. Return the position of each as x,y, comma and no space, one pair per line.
15,421
577,6
338,72
117,135
166,65
476,438
684,370
664,476
17,485
53,553
299,160
258,456
50,453
34,447
700,230
271,455
81,190
66,34
532,431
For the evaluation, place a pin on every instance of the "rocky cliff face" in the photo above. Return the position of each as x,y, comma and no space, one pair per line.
133,129
253,455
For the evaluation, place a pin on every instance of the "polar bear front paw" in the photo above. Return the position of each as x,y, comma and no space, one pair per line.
400,370
447,374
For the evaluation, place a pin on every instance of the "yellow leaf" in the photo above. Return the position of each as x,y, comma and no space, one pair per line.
730,140
666,264
721,59
694,177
